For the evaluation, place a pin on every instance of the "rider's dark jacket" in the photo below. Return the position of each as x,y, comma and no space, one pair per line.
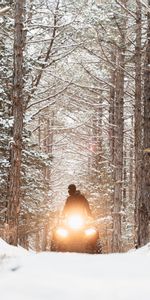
75,204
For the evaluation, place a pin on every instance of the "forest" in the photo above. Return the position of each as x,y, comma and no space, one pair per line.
75,108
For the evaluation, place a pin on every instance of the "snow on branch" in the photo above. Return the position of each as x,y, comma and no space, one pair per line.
144,4
4,10
126,9
49,97
147,150
3,210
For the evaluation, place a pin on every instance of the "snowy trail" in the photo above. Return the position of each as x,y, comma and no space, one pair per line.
70,276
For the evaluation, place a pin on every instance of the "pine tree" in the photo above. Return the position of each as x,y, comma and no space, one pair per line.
18,112
144,205
6,120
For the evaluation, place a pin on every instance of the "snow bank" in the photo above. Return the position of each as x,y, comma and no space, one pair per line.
71,276
8,250
11,257
144,250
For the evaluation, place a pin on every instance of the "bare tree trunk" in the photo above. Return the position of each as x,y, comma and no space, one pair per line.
144,207
111,106
119,137
39,133
131,169
16,145
37,241
124,200
45,237
97,141
118,151
112,120
138,115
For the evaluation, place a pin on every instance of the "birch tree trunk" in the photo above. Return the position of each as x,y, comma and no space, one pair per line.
16,145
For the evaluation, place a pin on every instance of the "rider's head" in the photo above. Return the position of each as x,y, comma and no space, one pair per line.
71,189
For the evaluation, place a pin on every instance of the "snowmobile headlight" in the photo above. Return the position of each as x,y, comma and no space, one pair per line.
62,232
90,231
75,222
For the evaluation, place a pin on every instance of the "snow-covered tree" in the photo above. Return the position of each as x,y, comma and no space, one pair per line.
6,120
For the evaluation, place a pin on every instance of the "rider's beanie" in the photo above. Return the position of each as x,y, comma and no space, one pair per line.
72,189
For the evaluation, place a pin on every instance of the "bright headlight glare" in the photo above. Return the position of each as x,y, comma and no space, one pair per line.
62,232
75,222
90,231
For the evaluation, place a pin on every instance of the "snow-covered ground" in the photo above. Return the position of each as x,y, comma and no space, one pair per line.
70,276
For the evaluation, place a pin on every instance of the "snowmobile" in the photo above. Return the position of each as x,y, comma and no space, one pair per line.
76,233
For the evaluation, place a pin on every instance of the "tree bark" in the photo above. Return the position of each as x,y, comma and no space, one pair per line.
144,207
17,108
111,106
118,151
119,139
138,115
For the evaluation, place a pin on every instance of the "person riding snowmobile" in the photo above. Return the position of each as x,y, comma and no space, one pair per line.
75,231
76,203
